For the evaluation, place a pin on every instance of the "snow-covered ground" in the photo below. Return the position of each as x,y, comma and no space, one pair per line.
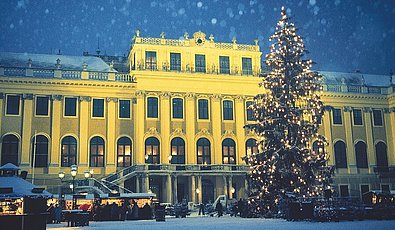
230,223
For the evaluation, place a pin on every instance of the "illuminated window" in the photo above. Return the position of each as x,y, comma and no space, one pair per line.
97,152
228,151
69,151
251,147
203,151
124,152
177,151
152,151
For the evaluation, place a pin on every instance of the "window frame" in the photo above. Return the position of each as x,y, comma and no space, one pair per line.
149,63
119,110
199,67
248,111
6,105
173,108
226,153
333,117
64,107
10,145
381,118
124,156
68,152
344,165
221,69
340,190
354,110
198,109
204,155
249,70
361,158
36,105
177,158
152,159
175,66
157,108
93,108
228,111
252,147
40,155
96,155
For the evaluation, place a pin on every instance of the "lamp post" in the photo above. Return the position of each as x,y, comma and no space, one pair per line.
61,176
73,174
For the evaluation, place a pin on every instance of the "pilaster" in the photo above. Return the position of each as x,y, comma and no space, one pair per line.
139,130
55,133
27,114
165,127
349,140
110,158
367,112
216,111
169,186
389,123
328,135
240,112
190,119
84,116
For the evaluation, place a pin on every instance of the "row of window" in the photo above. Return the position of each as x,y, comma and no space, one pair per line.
69,151
361,155
203,109
98,107
344,191
200,63
357,117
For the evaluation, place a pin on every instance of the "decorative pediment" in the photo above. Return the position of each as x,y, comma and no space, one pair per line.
152,131
203,132
177,132
229,133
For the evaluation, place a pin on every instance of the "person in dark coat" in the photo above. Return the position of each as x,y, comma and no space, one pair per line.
201,209
219,209
58,214
147,212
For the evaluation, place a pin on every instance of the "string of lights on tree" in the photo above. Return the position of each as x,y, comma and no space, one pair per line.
288,115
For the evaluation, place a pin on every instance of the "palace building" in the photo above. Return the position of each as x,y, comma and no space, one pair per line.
169,119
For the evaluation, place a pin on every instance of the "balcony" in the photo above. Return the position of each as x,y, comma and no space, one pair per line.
385,172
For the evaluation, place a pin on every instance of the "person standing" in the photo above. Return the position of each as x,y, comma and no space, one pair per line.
201,209
219,209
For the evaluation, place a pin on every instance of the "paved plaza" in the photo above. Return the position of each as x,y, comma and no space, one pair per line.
230,223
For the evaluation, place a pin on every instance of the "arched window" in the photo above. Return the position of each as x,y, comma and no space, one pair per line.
40,151
97,152
228,151
361,155
124,152
251,147
318,147
177,151
152,151
69,151
340,155
9,150
203,151
381,157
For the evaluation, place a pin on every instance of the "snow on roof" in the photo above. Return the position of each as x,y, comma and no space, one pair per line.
20,188
9,167
336,78
48,61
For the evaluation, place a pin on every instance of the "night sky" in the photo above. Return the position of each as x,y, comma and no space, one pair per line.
341,35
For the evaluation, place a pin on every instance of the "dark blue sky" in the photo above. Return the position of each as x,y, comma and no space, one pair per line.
341,35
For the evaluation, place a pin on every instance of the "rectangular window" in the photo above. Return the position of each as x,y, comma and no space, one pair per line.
224,67
364,189
344,191
385,188
124,108
152,107
228,110
247,66
200,63
178,108
42,105
203,109
13,103
377,117
70,107
357,114
98,108
175,61
250,111
150,60
337,116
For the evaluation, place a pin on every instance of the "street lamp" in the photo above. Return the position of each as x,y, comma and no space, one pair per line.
61,176
73,174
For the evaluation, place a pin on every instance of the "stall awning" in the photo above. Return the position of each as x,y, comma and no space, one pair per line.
20,188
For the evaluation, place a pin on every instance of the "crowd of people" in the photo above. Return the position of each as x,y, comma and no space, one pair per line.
125,211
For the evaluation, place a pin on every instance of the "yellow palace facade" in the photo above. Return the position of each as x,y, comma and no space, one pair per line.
172,123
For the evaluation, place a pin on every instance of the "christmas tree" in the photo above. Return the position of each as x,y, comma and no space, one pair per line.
292,157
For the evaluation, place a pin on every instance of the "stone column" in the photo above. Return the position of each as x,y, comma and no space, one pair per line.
367,112
199,182
27,114
352,167
389,123
83,130
110,158
240,111
225,186
193,189
164,118
145,183
230,187
137,189
326,122
169,190
190,121
216,121
175,188
55,133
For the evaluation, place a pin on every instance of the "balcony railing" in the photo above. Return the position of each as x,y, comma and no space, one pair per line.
64,74
358,89
385,172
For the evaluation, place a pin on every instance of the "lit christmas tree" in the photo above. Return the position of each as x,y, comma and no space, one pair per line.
288,114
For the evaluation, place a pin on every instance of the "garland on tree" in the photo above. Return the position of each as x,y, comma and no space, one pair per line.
288,115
